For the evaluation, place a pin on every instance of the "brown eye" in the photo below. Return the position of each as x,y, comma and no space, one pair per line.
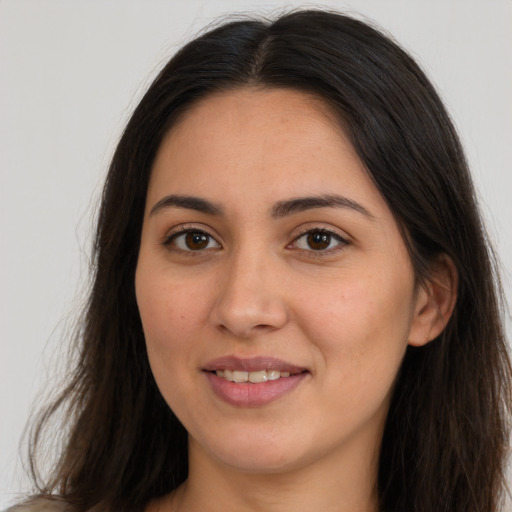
196,241
319,240
192,241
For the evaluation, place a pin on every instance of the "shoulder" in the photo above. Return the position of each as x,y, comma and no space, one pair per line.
41,505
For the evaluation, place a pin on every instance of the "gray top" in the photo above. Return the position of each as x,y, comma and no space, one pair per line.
41,505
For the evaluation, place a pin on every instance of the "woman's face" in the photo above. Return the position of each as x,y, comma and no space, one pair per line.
276,294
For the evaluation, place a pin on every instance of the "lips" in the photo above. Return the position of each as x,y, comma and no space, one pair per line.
254,377
252,382
252,364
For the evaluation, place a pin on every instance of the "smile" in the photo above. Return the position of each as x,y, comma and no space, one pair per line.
252,382
240,376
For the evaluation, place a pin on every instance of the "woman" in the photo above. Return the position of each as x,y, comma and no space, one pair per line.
294,305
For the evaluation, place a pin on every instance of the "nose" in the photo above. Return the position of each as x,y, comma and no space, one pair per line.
250,301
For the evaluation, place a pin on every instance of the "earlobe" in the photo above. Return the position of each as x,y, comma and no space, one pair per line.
435,302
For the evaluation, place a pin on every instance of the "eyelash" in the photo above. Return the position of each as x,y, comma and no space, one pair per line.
170,241
184,231
333,236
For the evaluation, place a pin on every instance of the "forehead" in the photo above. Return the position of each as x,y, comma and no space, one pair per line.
279,104
248,110
280,142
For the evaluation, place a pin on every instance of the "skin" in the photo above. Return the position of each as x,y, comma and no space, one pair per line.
345,313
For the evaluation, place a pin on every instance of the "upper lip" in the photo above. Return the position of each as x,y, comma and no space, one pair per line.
251,364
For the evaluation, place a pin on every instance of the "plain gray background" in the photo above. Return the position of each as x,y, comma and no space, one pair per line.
71,72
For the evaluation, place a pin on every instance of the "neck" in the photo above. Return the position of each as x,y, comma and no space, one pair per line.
326,485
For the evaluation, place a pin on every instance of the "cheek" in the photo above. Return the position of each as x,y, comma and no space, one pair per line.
361,307
360,327
361,339
172,314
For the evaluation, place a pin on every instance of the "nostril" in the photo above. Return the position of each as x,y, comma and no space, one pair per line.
263,327
244,311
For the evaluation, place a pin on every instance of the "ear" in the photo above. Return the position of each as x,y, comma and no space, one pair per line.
435,301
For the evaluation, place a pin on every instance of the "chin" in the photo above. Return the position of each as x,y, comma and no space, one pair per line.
261,463
248,454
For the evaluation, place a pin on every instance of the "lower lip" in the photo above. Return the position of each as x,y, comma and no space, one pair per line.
247,394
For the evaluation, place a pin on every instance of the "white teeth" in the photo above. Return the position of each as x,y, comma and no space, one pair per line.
240,376
258,376
254,377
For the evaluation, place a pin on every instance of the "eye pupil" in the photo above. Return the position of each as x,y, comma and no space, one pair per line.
196,241
318,241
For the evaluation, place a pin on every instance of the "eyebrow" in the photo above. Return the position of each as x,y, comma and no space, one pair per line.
188,202
301,204
279,210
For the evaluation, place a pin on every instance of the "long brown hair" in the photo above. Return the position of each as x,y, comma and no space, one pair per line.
446,436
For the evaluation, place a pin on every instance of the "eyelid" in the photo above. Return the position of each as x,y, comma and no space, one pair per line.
303,230
183,229
309,229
